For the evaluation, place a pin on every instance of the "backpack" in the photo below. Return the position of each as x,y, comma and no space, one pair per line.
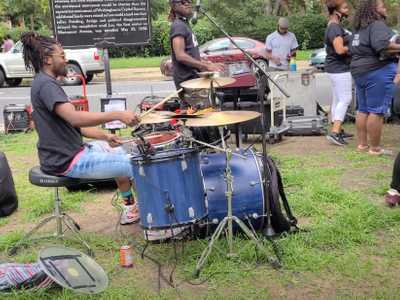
8,195
281,222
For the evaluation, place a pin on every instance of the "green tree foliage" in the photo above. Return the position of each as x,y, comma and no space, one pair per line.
252,18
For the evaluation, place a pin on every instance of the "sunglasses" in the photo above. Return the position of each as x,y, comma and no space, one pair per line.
60,55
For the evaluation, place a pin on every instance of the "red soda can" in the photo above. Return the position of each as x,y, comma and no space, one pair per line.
126,257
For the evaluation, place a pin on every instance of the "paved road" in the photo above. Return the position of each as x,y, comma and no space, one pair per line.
133,91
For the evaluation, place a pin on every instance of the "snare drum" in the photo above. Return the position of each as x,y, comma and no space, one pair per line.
160,140
169,188
164,140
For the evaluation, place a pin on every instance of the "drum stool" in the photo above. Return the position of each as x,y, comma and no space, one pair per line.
37,177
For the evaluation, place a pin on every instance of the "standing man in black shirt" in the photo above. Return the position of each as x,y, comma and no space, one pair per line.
337,65
60,127
373,73
186,59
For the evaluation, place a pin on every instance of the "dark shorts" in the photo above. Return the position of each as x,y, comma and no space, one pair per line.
375,90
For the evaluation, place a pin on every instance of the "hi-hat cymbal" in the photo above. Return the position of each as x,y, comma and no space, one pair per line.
157,117
222,118
205,83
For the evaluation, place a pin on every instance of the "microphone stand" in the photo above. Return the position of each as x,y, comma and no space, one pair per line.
268,230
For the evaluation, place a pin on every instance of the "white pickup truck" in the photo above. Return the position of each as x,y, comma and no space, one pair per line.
86,62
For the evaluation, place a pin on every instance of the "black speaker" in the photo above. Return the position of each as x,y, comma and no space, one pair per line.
8,195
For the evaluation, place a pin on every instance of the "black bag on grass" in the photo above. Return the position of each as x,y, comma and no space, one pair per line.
8,195
280,221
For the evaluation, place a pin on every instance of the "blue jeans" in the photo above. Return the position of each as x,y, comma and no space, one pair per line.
99,160
375,90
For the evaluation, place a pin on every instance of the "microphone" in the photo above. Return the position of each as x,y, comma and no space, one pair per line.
196,12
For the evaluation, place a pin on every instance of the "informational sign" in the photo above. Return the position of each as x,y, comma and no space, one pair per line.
88,23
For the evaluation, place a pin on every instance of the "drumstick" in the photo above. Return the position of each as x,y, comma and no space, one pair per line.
128,141
160,103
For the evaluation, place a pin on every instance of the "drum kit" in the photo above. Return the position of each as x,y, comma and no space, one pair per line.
182,182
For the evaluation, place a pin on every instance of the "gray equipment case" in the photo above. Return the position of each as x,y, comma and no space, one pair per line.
307,125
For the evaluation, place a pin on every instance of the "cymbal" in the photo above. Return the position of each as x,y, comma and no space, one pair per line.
157,117
205,83
222,118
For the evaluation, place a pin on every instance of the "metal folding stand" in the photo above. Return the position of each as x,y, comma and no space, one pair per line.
61,219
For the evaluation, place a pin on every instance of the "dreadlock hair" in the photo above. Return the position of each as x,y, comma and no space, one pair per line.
35,49
366,14
171,15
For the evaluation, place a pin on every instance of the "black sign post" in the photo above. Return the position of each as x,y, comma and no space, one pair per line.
102,24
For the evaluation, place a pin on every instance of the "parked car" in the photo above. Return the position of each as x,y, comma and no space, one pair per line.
86,62
222,50
318,58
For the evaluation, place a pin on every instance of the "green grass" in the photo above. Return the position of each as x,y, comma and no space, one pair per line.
349,249
303,54
135,62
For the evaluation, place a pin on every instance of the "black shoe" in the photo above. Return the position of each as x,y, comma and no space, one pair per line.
346,135
336,138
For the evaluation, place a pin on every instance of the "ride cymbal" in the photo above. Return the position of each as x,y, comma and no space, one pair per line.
205,83
222,118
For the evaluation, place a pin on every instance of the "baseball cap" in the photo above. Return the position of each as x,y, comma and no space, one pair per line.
283,22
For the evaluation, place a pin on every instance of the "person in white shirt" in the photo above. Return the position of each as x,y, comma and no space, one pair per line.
281,46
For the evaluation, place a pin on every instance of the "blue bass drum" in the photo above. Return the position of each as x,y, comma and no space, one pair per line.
248,196
170,189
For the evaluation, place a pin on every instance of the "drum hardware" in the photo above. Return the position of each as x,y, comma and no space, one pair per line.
145,147
227,221
269,232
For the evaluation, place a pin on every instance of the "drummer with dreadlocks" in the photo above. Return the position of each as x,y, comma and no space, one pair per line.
61,149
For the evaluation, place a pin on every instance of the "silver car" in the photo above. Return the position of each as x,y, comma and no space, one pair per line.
84,62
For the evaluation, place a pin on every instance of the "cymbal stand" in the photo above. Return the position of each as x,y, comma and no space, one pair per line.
268,232
229,220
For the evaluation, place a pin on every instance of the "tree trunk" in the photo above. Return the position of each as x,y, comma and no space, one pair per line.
398,16
268,7
32,22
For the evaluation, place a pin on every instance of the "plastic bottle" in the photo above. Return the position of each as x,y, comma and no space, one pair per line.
292,64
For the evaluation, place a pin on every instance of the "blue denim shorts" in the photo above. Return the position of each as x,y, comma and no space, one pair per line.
98,160
375,90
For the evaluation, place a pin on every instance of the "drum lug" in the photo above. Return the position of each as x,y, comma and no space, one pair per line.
149,219
215,221
141,170
184,164
253,183
191,212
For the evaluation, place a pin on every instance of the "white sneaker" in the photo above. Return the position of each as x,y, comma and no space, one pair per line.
130,214
163,234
